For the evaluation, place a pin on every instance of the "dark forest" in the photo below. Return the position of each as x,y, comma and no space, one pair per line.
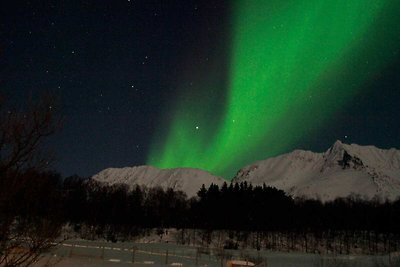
269,216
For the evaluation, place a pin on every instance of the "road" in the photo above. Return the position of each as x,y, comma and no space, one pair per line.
100,253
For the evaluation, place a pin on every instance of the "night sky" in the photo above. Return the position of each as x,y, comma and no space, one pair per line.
207,84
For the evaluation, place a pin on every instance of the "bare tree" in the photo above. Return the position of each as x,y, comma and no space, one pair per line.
23,238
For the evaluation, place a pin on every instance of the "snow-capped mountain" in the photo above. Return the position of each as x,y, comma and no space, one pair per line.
187,180
342,170
339,172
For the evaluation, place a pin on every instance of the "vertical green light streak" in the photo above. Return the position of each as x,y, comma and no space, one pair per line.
286,59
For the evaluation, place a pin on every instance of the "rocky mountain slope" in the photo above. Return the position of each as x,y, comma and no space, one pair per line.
340,171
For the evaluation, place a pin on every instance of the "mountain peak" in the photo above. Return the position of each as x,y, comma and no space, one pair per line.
338,146
342,170
338,143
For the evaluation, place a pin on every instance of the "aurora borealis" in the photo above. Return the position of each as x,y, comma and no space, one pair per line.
292,66
210,84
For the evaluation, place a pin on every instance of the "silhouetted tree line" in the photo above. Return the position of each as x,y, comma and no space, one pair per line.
115,209
238,207
241,206
276,220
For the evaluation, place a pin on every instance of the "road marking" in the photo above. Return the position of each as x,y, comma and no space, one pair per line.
93,247
114,260
116,249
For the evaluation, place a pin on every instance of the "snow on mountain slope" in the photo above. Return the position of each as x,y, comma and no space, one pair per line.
340,171
185,179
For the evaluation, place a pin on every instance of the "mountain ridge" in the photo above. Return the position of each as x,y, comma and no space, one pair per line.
338,172
188,180
342,170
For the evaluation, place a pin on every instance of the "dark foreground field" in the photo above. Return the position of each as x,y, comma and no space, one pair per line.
98,253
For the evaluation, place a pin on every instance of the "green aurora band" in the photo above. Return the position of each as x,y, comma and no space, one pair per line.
292,65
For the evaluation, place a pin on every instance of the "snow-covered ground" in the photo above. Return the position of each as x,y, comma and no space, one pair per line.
96,253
